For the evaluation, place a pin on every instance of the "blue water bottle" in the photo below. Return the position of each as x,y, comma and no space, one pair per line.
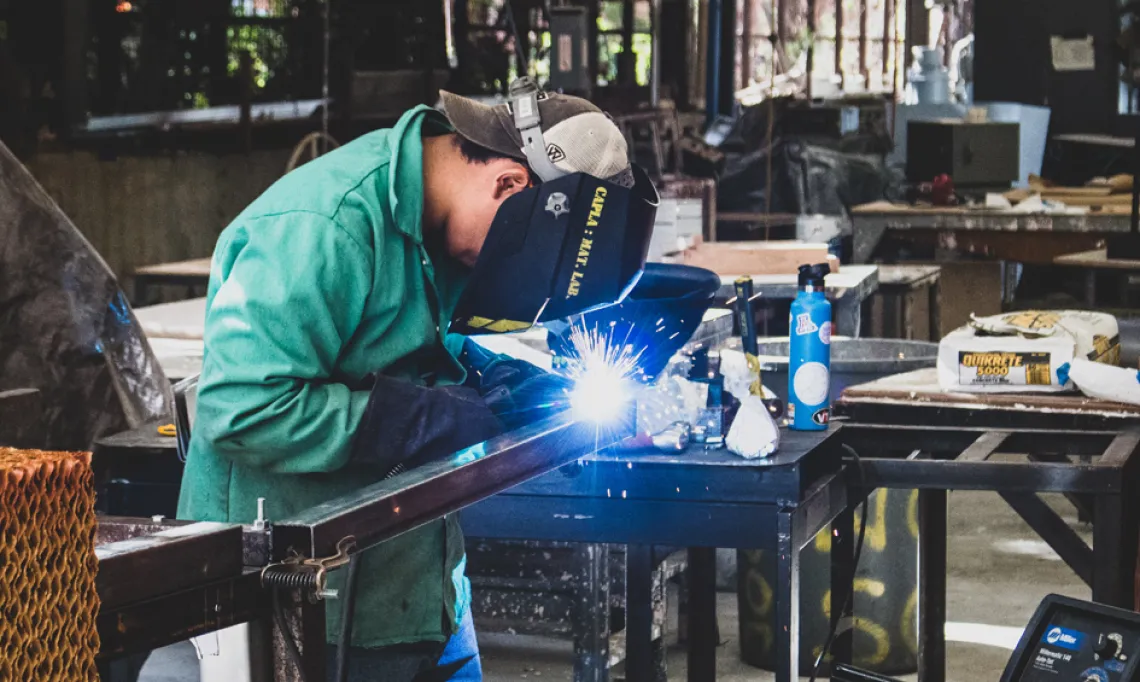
809,353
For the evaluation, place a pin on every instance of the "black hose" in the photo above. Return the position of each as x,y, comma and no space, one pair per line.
344,642
848,601
287,636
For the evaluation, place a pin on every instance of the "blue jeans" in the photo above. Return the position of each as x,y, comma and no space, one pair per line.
403,662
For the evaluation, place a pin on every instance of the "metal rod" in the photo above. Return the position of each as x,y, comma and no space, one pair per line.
932,585
986,445
839,41
788,606
405,502
639,614
326,38
746,44
1051,528
655,58
863,45
712,66
702,614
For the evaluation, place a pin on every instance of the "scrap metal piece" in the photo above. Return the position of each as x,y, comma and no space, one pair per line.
402,503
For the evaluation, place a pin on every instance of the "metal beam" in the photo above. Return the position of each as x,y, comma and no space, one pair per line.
155,564
177,616
1007,476
983,447
400,504
1054,531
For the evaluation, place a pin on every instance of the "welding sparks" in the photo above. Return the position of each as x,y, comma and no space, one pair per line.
601,369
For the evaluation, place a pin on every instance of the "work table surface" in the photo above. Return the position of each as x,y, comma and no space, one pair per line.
916,397
905,216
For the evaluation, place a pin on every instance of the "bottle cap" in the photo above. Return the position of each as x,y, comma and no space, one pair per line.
812,275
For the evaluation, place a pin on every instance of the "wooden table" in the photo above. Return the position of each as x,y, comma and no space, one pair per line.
1096,262
194,274
996,234
915,397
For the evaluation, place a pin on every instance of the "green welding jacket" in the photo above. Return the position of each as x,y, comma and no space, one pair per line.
321,281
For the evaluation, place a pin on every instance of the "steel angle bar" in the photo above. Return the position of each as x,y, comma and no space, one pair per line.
1051,528
1120,451
405,502
986,445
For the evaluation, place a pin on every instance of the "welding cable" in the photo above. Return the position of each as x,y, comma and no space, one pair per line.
849,599
287,636
344,642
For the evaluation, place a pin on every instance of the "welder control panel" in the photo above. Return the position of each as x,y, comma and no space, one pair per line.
1074,641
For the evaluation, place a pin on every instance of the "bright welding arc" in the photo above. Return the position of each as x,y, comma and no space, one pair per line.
602,371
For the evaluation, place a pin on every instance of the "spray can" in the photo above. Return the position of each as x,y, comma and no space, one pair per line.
809,361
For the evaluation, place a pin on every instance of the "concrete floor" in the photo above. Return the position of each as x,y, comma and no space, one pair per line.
998,573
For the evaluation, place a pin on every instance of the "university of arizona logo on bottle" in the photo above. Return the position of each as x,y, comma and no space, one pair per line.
804,325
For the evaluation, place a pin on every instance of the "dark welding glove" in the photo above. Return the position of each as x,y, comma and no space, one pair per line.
520,395
405,425
518,392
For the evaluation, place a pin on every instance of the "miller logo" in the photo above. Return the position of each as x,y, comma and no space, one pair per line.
557,204
555,153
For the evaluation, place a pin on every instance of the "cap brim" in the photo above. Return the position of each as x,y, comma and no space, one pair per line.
485,125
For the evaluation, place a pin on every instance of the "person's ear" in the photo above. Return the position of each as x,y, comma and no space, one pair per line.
511,181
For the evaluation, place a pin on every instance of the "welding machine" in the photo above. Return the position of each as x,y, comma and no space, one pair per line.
1067,639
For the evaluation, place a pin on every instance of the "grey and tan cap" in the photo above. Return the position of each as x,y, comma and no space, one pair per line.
580,137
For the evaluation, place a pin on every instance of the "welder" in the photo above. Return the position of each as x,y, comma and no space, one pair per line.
330,359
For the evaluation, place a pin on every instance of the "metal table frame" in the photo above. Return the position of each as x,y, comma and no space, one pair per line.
1096,470
696,500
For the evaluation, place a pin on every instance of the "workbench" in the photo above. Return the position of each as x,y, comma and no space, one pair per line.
909,434
994,234
1096,262
847,290
698,499
155,587
193,274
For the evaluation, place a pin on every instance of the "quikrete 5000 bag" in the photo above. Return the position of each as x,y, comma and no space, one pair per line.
1022,351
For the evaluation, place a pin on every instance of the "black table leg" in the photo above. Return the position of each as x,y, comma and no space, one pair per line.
787,600
842,582
1114,551
932,585
591,618
639,665
142,291
702,614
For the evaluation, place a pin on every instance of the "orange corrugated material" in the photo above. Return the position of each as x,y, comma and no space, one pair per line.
48,601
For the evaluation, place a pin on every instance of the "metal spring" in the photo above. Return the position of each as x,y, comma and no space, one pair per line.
290,580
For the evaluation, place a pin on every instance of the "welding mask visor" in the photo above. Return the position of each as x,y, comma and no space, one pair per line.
568,246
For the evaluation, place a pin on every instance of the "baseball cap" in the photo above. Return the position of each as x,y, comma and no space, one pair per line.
580,137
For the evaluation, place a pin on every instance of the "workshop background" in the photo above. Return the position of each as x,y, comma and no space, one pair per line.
950,159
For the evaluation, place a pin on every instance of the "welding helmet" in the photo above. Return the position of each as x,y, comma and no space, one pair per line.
658,317
572,244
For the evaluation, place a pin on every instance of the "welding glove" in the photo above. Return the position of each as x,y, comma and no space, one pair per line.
518,392
405,425
519,401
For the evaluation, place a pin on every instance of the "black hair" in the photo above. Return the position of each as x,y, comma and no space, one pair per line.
476,153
